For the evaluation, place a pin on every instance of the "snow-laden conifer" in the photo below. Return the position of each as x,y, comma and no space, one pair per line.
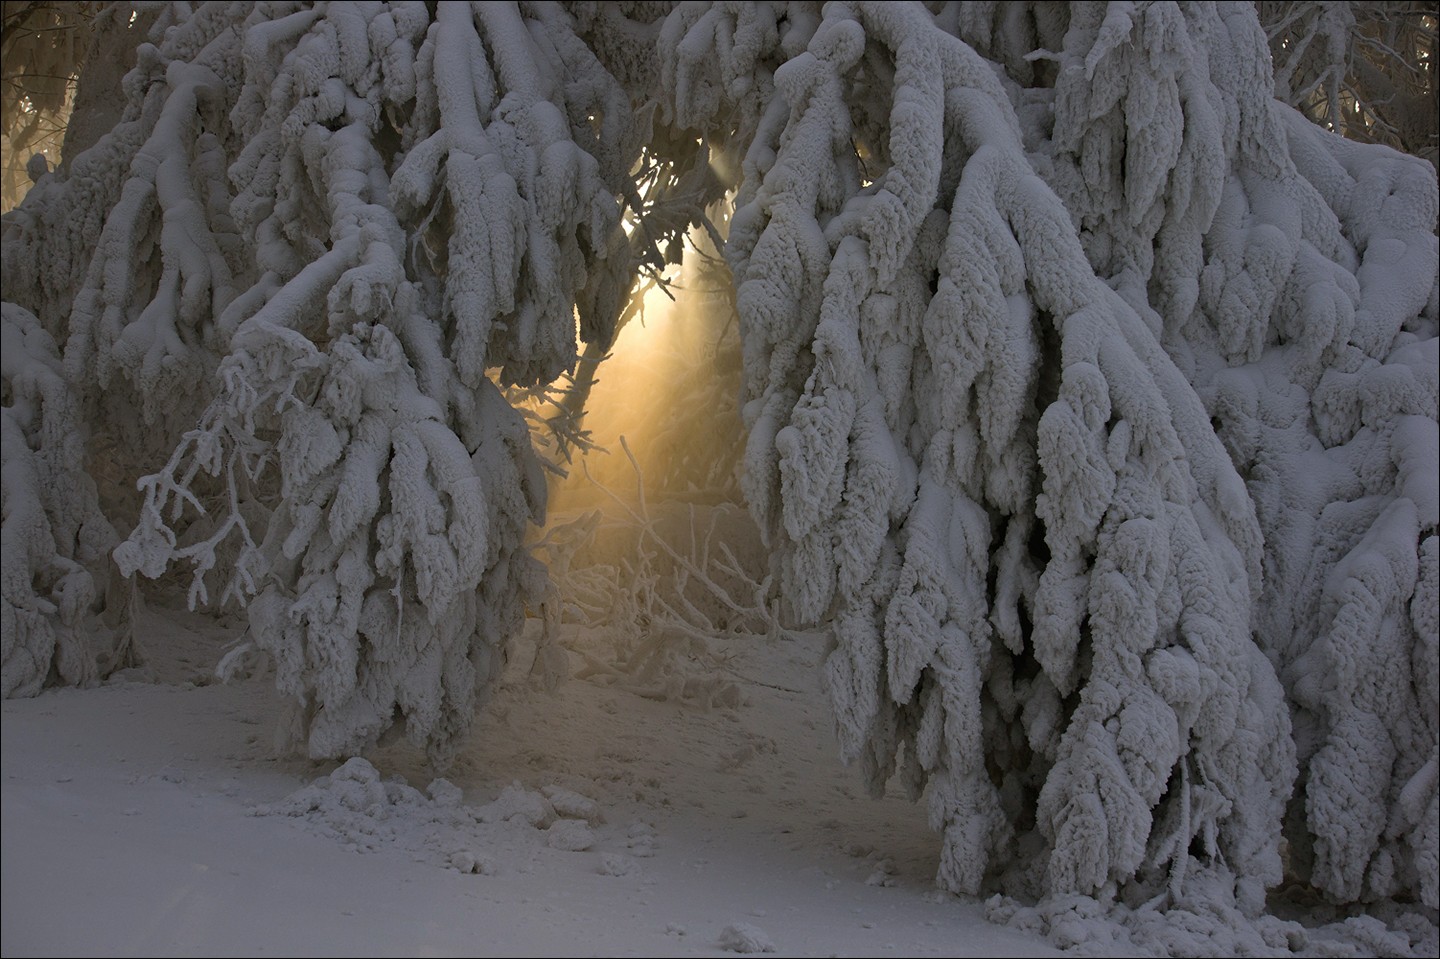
1004,333
1090,392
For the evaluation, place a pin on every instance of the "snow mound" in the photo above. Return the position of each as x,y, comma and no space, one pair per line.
618,864
1208,922
569,835
356,806
743,937
518,804
571,805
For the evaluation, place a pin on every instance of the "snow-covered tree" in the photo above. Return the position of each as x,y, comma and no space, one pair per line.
57,541
41,44
1365,69
1018,284
1090,391
310,250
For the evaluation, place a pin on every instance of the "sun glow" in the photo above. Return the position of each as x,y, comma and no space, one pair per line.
668,387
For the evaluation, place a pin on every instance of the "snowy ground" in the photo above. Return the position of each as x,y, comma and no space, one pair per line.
150,816
130,826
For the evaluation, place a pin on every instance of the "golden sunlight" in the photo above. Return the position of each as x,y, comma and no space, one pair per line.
669,388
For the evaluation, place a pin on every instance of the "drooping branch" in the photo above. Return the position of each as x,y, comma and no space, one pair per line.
362,220
986,439
1090,390
56,547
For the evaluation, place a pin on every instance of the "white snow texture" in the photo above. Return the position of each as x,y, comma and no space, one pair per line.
1091,397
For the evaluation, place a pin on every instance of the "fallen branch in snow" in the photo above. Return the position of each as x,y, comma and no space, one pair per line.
664,602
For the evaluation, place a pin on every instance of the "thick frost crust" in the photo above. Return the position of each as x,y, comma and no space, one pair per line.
362,218
56,542
1091,394
1002,322
1311,336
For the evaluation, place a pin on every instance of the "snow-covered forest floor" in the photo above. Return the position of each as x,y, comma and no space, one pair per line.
148,816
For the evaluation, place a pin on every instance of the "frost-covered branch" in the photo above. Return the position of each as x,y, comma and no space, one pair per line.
1090,393
661,586
1362,69
984,328
348,215
54,564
